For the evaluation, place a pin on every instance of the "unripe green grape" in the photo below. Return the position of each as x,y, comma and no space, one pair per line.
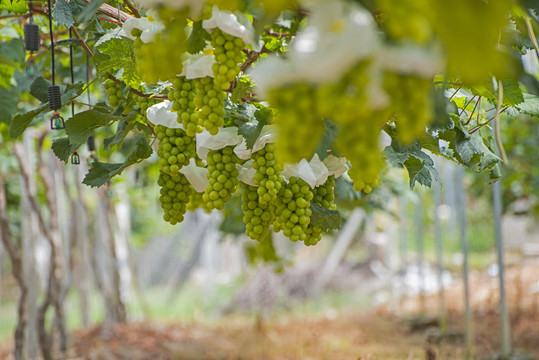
300,126
223,183
324,195
268,174
175,194
182,96
209,101
228,52
411,100
289,214
407,19
161,59
257,217
176,149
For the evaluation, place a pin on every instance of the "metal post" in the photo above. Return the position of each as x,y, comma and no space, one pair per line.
418,220
460,197
439,257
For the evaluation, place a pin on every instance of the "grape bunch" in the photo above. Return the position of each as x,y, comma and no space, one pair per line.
300,127
324,196
144,104
182,96
256,216
406,19
209,101
359,143
114,93
293,209
161,59
228,52
268,174
175,149
196,202
223,177
411,100
175,193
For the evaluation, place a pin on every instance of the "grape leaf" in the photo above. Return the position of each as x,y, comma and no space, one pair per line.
116,55
81,125
8,106
124,127
62,148
420,166
530,82
22,121
327,140
530,105
38,89
250,121
324,218
197,40
15,6
442,107
418,172
243,87
89,11
13,50
101,172
63,13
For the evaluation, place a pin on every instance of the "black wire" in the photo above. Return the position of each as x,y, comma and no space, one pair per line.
31,8
71,69
52,43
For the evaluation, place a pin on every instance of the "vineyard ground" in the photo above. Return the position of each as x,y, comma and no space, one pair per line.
381,333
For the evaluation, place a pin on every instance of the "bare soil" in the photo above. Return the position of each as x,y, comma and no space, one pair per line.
382,333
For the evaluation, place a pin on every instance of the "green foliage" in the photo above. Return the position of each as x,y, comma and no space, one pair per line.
63,148
116,57
250,120
101,172
197,40
81,125
325,219
64,11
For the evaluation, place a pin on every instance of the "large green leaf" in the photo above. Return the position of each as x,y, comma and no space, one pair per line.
116,57
324,218
81,125
250,120
22,121
124,127
15,6
8,104
530,105
63,148
39,87
100,172
197,39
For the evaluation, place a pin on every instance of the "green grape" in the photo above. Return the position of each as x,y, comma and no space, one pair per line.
196,202
228,52
183,97
256,216
223,177
209,100
324,196
359,126
114,93
175,194
268,174
411,100
175,149
300,126
161,59
406,19
293,209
